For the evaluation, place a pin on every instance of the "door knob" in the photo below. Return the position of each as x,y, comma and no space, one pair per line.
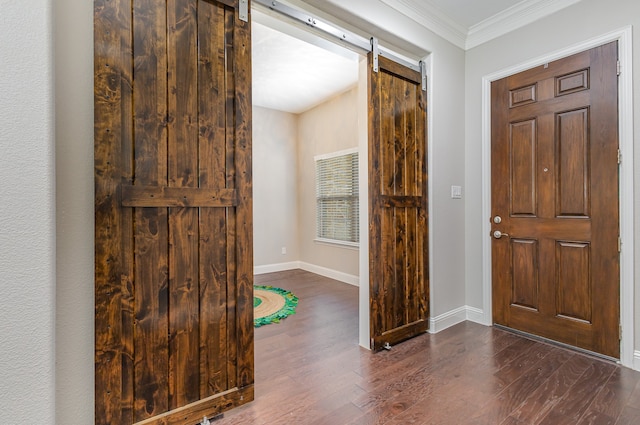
497,219
498,234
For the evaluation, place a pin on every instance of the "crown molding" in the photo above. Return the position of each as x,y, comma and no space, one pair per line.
517,16
431,18
513,18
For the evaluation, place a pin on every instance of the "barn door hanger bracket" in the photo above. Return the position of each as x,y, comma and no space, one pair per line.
423,74
376,52
244,10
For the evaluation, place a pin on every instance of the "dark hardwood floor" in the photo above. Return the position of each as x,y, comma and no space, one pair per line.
310,370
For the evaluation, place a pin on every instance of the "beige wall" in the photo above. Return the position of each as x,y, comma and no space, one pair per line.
574,25
329,127
275,187
284,146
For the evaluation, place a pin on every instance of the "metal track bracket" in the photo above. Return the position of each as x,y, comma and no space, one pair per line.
376,52
244,10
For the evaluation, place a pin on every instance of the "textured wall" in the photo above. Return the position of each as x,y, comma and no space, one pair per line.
27,208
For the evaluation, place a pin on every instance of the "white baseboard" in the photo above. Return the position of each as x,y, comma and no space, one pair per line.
322,271
476,315
453,317
448,319
272,268
636,360
332,274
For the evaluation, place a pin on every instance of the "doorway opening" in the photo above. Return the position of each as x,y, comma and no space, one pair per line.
309,101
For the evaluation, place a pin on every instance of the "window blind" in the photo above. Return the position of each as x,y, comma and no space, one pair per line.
337,212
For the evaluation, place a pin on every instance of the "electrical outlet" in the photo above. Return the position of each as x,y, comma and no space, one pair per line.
456,192
284,250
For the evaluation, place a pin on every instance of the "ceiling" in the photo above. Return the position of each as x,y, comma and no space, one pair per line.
293,70
293,75
468,13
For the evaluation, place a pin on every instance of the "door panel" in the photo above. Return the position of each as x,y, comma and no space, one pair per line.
174,272
399,286
555,186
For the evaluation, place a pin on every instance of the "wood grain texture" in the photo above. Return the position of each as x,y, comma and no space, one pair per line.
397,205
555,182
468,374
113,136
214,281
151,224
165,197
244,213
174,280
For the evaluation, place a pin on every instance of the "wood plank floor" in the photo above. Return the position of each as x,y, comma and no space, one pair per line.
310,370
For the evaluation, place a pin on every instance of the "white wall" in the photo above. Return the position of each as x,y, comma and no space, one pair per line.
573,25
275,187
447,130
329,127
27,214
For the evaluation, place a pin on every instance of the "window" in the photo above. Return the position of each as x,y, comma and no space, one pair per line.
337,212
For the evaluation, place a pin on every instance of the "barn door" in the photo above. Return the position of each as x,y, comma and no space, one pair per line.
554,200
398,236
173,260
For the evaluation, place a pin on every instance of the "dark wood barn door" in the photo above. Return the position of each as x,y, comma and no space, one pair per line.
398,235
173,224
555,200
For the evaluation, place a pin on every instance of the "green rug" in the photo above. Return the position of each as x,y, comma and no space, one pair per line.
270,304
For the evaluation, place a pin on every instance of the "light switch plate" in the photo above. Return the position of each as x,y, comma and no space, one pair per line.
456,192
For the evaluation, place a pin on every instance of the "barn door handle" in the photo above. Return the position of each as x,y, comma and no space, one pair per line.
498,234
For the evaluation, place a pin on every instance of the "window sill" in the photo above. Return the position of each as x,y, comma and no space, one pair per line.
340,244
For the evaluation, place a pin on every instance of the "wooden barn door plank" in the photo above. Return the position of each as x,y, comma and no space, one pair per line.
174,260
399,290
113,136
151,224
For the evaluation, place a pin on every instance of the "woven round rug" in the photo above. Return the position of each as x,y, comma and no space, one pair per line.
270,305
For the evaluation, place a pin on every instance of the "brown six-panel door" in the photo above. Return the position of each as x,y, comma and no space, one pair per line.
555,191
398,234
174,260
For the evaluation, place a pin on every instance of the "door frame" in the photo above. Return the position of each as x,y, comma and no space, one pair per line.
272,20
625,126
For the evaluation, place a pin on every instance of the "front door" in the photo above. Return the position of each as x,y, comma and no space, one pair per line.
173,224
398,234
554,201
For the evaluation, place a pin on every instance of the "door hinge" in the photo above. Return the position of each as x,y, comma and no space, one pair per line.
618,68
423,72
619,157
244,10
619,332
376,52
619,244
